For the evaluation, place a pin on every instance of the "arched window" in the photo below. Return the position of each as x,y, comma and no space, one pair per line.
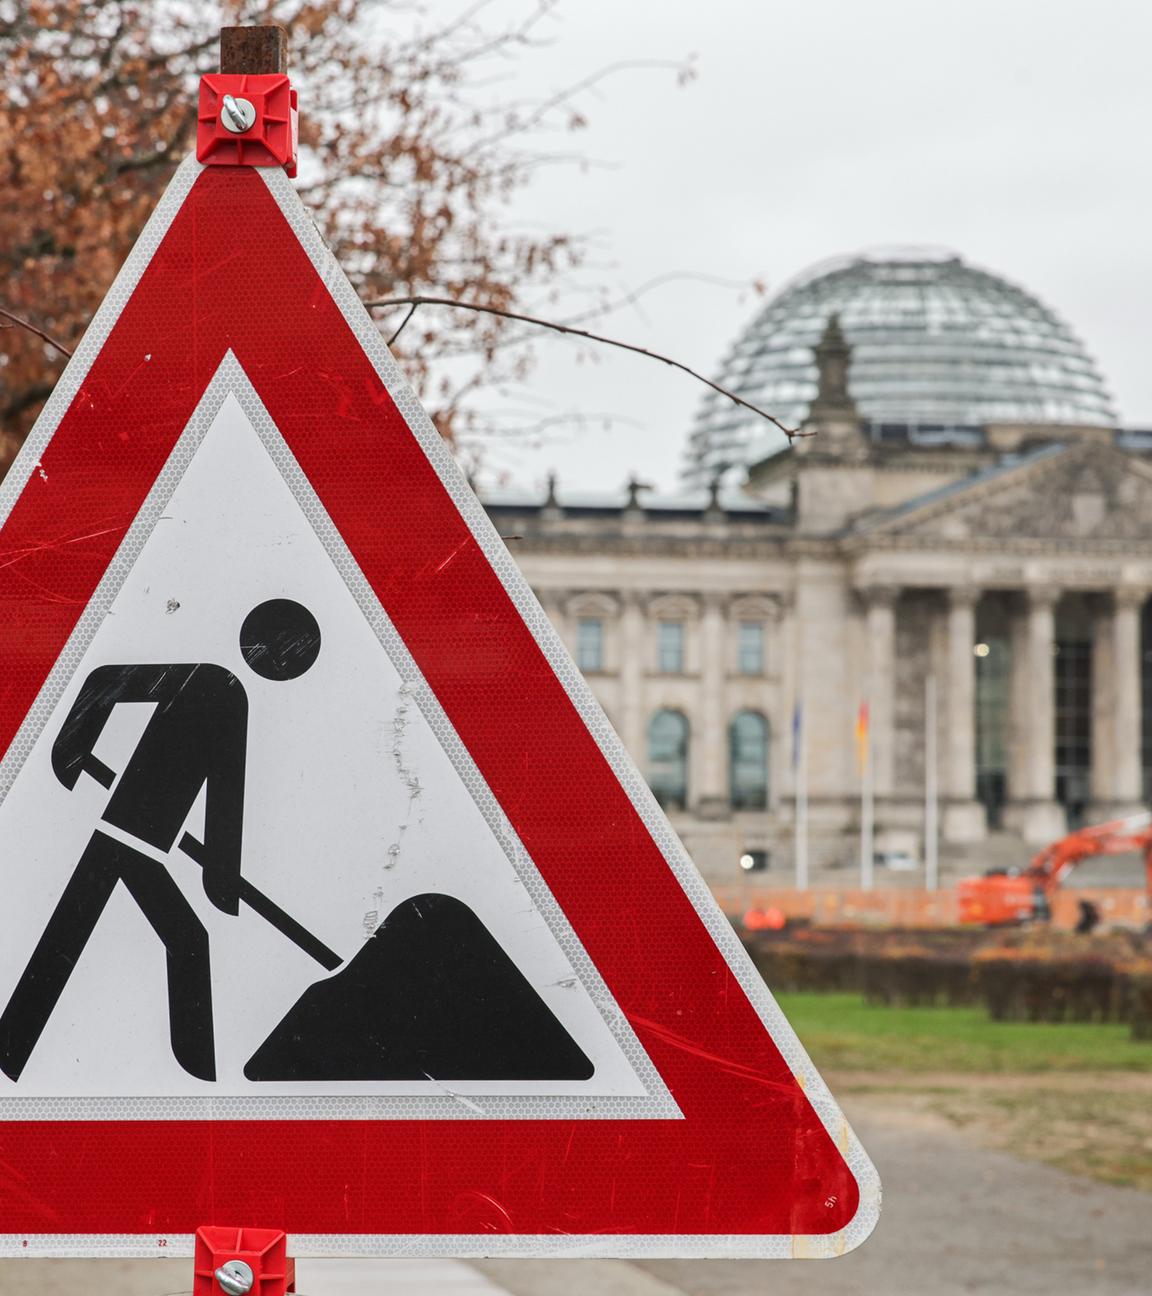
748,738
668,759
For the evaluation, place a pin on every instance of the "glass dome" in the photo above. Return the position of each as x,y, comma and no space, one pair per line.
937,345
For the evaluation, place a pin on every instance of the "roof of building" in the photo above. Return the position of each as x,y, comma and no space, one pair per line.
582,501
936,344
1004,465
559,510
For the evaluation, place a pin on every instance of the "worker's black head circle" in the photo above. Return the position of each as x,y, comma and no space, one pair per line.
280,639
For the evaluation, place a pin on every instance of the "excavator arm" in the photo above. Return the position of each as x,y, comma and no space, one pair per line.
1002,899
1117,837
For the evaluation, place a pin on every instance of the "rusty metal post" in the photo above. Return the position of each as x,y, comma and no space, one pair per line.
253,51
247,113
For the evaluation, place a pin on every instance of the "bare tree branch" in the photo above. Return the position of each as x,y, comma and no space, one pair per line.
24,324
633,296
539,112
413,302
411,311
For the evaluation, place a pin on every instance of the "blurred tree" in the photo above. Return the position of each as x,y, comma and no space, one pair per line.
406,172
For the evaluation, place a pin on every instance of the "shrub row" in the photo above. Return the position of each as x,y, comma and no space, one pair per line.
1016,976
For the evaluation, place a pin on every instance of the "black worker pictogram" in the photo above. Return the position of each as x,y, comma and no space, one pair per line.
195,739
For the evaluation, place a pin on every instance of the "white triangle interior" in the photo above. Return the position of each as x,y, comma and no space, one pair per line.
359,796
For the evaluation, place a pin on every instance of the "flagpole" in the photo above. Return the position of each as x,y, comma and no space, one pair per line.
800,755
867,806
931,788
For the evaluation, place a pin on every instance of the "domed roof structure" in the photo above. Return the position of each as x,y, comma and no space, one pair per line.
938,346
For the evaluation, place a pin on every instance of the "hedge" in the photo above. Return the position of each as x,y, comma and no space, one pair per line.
1032,975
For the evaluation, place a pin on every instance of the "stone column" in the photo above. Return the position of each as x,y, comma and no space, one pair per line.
1037,815
1127,780
964,819
633,661
1041,641
880,602
712,798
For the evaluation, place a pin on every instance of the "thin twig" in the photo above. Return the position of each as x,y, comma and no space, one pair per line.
403,323
632,298
413,302
24,324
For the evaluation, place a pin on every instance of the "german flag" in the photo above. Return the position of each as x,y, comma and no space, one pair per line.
862,736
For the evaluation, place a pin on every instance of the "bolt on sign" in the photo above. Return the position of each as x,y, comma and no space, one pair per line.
332,903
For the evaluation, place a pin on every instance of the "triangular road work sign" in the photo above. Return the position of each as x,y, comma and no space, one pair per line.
331,901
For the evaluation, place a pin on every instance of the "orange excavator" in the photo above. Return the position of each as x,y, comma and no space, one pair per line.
1000,899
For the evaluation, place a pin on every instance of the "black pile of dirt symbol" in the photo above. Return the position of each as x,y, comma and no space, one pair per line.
430,995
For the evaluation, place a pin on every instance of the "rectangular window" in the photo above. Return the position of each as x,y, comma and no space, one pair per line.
993,686
671,648
1073,698
590,644
750,648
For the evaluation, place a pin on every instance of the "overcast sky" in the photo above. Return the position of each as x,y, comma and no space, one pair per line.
1014,132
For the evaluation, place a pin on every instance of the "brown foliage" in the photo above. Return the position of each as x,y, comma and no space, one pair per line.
405,175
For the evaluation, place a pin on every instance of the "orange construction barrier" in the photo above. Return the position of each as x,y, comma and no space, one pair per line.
911,907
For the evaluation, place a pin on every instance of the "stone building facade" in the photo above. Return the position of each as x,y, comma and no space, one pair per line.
1003,571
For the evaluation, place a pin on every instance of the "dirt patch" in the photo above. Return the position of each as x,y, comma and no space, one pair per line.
1097,1124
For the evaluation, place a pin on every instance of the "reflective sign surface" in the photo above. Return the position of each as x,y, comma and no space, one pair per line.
332,903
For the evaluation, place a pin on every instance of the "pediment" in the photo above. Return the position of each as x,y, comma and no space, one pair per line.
1087,492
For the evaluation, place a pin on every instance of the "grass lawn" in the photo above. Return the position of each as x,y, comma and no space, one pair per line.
843,1032
1076,1096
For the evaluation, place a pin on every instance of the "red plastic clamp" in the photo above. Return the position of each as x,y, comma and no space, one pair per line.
247,120
242,1260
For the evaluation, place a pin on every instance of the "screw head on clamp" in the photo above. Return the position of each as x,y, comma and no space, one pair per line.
247,119
235,1277
237,115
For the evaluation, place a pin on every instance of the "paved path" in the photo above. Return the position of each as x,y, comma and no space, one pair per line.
174,1278
957,1220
